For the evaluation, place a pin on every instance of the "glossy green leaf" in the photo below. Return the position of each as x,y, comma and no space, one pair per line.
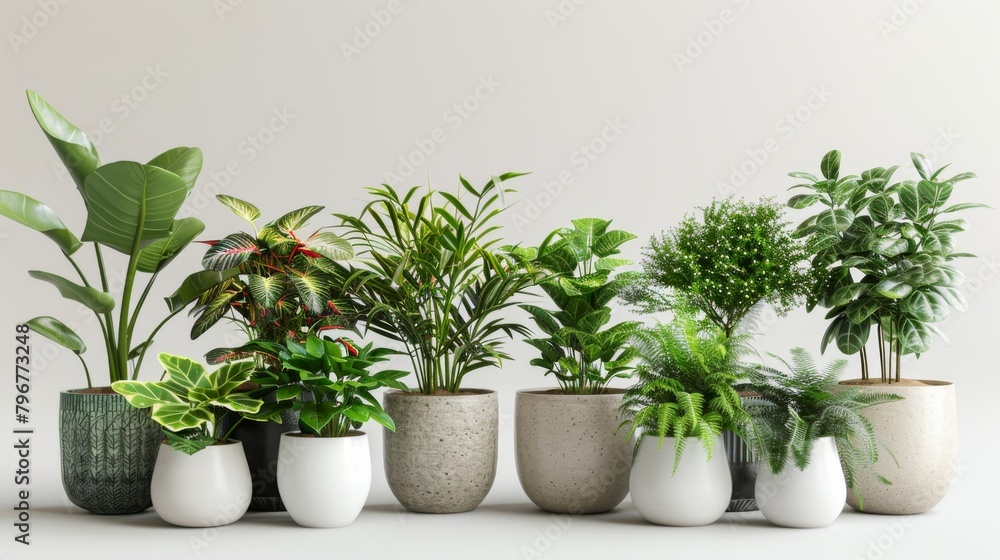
56,331
230,252
924,305
608,243
131,204
158,254
830,165
197,284
29,212
266,289
178,417
835,220
183,161
241,208
94,299
893,289
71,144
142,394
330,245
296,218
921,164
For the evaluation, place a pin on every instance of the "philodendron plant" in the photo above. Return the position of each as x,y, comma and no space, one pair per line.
189,399
583,357
685,383
434,278
881,254
329,383
131,210
286,286
804,404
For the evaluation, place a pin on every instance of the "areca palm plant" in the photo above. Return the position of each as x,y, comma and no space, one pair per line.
685,382
286,287
433,277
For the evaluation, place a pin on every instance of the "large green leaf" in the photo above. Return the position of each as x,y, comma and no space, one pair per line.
330,245
39,217
313,290
70,143
266,289
921,164
158,254
913,335
142,394
184,162
924,305
178,417
230,252
608,243
182,374
830,165
241,208
893,289
835,220
849,337
129,202
54,330
197,284
94,299
296,218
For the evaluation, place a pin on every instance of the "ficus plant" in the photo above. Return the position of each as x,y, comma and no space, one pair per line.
330,384
432,276
733,258
286,286
881,253
188,400
132,211
578,350
684,383
805,403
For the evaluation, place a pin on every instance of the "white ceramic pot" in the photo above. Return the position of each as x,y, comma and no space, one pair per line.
696,494
570,456
324,482
208,489
813,497
922,432
442,458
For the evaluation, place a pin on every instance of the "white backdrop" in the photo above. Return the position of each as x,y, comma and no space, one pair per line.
634,111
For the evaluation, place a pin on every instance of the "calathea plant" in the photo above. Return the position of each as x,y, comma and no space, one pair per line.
433,277
286,287
684,383
804,404
881,254
583,357
131,210
329,383
737,256
189,399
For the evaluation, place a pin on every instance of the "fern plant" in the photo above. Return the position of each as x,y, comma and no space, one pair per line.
286,287
582,357
685,383
805,404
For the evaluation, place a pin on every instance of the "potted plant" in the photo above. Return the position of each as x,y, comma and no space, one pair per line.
570,458
434,279
201,478
682,400
285,288
131,210
813,440
728,263
324,470
882,252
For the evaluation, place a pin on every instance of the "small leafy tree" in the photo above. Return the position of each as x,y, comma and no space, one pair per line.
433,277
736,256
881,254
804,404
329,383
685,383
188,400
583,358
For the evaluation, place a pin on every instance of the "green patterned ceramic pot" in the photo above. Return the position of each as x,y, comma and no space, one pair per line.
108,451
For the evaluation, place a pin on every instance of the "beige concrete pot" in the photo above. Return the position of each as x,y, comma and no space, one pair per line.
569,458
922,432
442,458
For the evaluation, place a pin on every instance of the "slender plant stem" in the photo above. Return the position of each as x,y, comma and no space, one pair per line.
138,305
110,337
86,370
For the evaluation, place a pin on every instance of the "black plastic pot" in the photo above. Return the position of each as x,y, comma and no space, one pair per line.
260,443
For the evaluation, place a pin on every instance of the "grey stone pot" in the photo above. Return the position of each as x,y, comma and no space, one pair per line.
569,457
922,432
442,458
108,449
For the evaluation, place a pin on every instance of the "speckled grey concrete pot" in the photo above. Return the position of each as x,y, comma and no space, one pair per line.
569,458
922,432
442,458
